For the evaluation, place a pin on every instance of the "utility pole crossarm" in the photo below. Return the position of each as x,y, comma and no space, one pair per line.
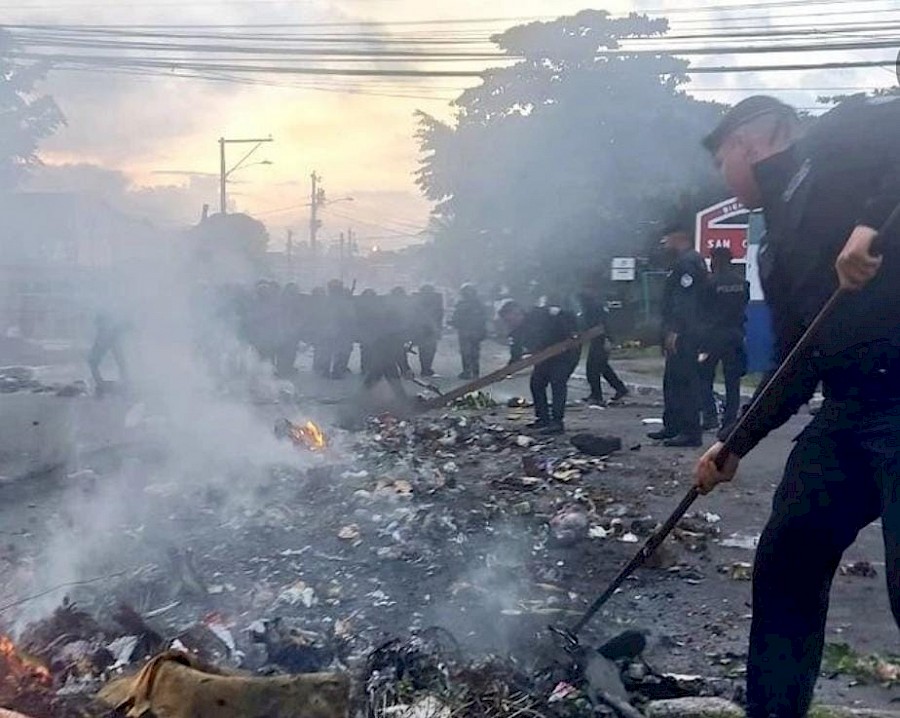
224,172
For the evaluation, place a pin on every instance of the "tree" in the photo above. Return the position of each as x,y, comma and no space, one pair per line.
229,248
26,118
567,156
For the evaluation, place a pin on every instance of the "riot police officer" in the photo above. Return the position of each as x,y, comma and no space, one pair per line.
824,195
429,323
682,332
470,321
723,340
533,331
593,313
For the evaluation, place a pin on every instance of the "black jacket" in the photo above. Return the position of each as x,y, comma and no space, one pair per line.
846,172
683,295
470,318
543,327
592,312
725,307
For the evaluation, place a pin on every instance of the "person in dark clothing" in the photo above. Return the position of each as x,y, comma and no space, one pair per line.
534,331
290,317
340,325
108,339
401,309
682,331
824,195
429,309
723,341
470,321
385,345
592,313
365,317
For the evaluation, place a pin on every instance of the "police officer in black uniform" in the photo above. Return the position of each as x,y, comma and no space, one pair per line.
593,313
723,341
682,332
824,195
429,324
533,331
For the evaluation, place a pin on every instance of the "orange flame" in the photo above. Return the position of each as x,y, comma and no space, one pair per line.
308,435
16,665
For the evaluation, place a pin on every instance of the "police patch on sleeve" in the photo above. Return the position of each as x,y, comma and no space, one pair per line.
687,281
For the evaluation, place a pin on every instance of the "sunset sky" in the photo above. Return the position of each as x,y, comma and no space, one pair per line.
153,130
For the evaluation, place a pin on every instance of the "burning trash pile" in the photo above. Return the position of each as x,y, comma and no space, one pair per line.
459,521
307,435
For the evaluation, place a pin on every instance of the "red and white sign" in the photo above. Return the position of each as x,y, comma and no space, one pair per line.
723,225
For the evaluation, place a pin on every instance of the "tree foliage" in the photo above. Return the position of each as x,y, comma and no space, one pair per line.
26,117
229,248
560,159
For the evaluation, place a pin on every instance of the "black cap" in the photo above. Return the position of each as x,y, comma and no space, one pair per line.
744,112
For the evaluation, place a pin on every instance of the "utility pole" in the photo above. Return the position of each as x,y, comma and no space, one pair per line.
316,197
290,252
223,167
223,175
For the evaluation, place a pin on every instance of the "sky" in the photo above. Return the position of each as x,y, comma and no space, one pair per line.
156,137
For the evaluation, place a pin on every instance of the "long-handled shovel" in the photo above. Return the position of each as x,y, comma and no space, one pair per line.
775,382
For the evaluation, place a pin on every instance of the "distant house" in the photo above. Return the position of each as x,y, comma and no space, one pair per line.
55,250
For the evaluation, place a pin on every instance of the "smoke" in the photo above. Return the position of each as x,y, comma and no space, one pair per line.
183,432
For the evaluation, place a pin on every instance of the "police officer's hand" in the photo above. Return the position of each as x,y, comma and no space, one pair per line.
671,345
856,265
707,475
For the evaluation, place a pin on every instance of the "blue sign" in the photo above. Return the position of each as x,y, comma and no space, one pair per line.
760,341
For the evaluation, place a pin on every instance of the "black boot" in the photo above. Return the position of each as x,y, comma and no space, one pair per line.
662,434
684,441
554,428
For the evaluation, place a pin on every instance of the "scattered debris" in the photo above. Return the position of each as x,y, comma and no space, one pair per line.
739,571
475,400
597,445
176,685
349,533
569,526
694,708
840,658
861,569
740,541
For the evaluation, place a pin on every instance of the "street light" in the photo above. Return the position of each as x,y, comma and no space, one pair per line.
224,173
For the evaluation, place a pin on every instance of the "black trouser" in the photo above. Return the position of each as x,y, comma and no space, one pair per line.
470,353
598,367
105,343
427,350
554,373
286,358
341,349
734,365
322,357
383,362
681,390
843,473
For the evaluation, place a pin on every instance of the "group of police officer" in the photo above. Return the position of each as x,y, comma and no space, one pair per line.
275,320
703,320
